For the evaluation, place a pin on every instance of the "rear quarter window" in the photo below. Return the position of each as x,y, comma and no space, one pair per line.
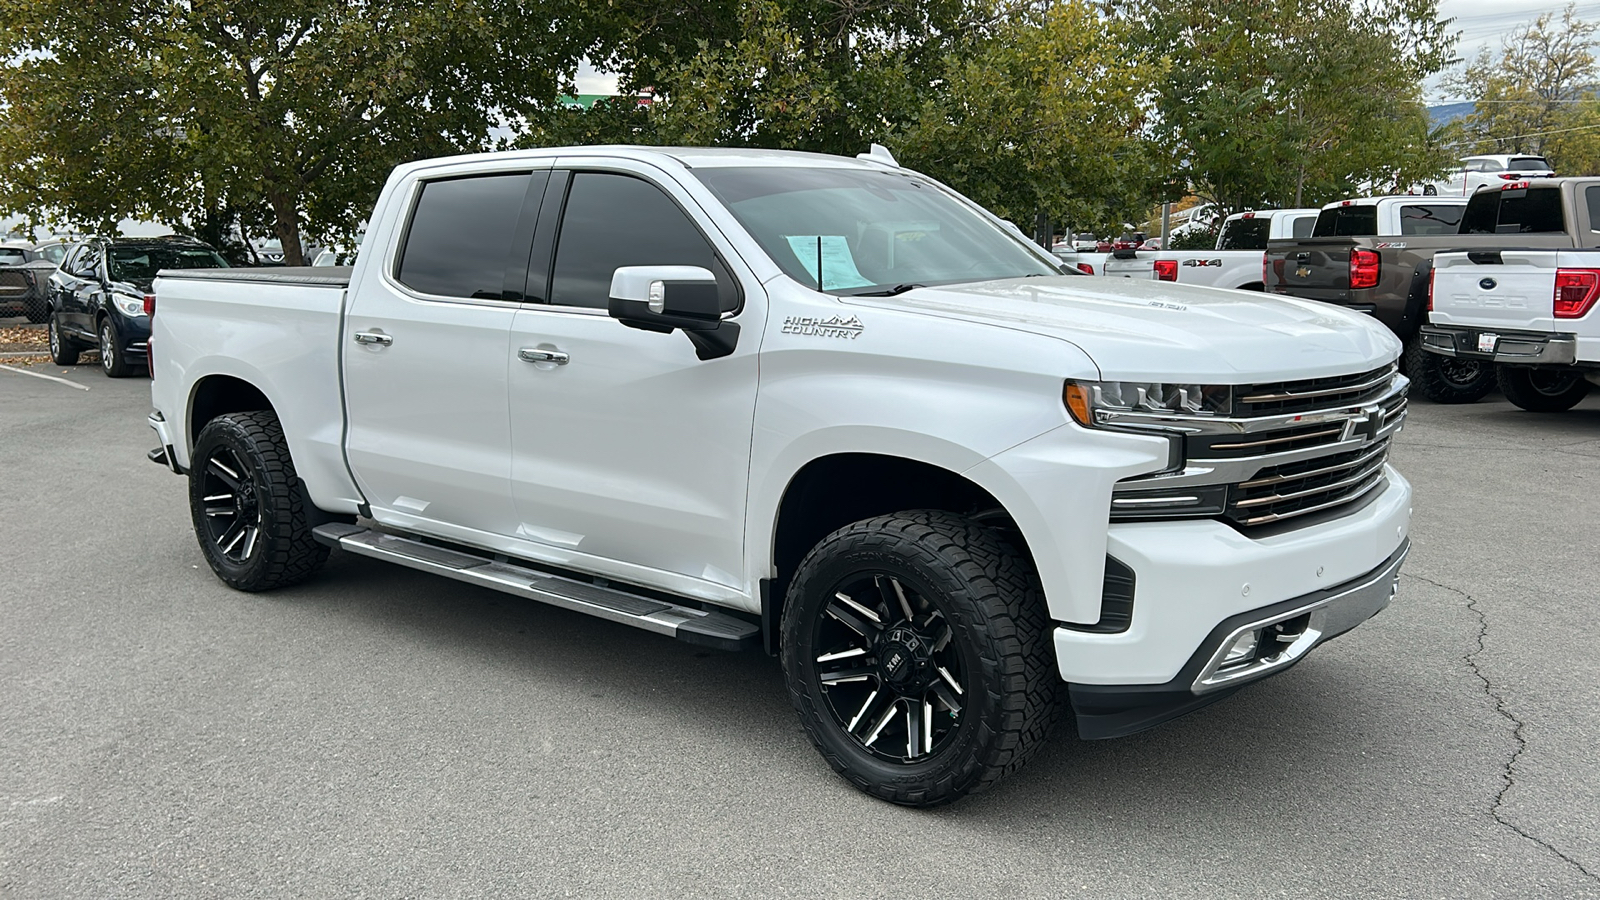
1591,198
1429,219
1303,226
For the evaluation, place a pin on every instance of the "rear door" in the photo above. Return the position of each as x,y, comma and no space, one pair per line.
76,289
631,455
426,348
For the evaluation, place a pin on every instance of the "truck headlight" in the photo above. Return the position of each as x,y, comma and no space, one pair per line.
1095,404
130,306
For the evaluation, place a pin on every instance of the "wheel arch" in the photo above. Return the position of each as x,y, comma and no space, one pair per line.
834,490
217,394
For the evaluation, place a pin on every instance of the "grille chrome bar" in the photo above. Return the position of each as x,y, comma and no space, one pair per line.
1268,442
1312,491
1328,470
1379,479
1378,378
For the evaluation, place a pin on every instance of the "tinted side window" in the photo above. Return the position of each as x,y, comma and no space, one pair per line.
1591,197
460,236
1303,226
612,221
1418,219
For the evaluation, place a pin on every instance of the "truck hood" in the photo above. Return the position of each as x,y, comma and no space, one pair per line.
1159,331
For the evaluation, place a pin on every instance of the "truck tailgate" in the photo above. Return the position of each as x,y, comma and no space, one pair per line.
1313,268
1139,266
1505,289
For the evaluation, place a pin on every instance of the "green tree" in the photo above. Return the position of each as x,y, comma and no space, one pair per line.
191,110
1289,102
1043,112
1536,95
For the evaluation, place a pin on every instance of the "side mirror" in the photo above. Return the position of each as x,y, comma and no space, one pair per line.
663,298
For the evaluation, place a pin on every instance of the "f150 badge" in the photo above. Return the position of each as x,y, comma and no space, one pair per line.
848,327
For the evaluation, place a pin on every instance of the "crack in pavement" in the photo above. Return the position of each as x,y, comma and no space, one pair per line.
1508,775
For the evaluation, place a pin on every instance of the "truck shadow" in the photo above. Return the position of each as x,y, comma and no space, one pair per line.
1269,741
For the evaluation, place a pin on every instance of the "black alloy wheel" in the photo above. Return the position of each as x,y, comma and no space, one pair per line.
63,352
1447,379
233,509
917,653
250,516
890,674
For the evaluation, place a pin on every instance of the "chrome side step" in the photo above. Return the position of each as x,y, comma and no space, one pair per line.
695,626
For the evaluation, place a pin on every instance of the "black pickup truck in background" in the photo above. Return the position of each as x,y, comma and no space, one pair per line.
1385,271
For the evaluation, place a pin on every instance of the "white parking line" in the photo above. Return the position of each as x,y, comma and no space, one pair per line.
74,384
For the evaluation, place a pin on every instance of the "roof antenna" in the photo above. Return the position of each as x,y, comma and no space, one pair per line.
819,263
879,153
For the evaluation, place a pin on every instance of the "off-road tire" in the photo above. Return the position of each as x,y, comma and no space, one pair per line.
113,361
997,621
284,551
1447,379
63,352
1541,389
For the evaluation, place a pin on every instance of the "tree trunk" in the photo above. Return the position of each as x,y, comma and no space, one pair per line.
287,226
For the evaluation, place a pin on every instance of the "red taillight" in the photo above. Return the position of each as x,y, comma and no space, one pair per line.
1513,186
1264,284
1166,270
149,304
1364,266
1248,215
1085,268
1508,176
1431,273
1576,290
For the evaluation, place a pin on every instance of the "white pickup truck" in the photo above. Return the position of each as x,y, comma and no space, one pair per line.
822,405
1236,261
1529,311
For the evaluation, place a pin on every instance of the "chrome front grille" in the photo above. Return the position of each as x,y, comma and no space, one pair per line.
1274,398
1295,489
1257,471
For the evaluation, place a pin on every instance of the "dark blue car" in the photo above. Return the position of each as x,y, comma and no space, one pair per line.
100,297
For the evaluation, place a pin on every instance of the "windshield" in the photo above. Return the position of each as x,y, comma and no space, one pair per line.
855,231
1430,219
1244,234
142,263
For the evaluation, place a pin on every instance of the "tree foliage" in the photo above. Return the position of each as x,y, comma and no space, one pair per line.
1285,102
1536,95
288,110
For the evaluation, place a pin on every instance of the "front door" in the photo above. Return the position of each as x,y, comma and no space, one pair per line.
426,348
630,455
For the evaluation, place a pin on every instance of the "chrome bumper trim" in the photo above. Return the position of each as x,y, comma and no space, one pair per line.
1330,617
1516,347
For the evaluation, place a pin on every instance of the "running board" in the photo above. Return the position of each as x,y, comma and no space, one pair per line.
693,626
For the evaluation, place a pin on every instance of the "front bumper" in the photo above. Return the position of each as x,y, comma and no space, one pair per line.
1526,348
1109,711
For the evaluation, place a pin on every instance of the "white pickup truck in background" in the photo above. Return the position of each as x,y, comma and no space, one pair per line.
1236,261
1531,312
827,407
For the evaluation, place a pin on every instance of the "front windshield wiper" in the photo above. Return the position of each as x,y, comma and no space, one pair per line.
897,289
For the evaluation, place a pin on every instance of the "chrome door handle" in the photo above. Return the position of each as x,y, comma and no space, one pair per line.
534,355
374,337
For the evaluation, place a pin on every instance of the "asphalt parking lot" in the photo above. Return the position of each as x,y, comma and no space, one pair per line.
380,733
